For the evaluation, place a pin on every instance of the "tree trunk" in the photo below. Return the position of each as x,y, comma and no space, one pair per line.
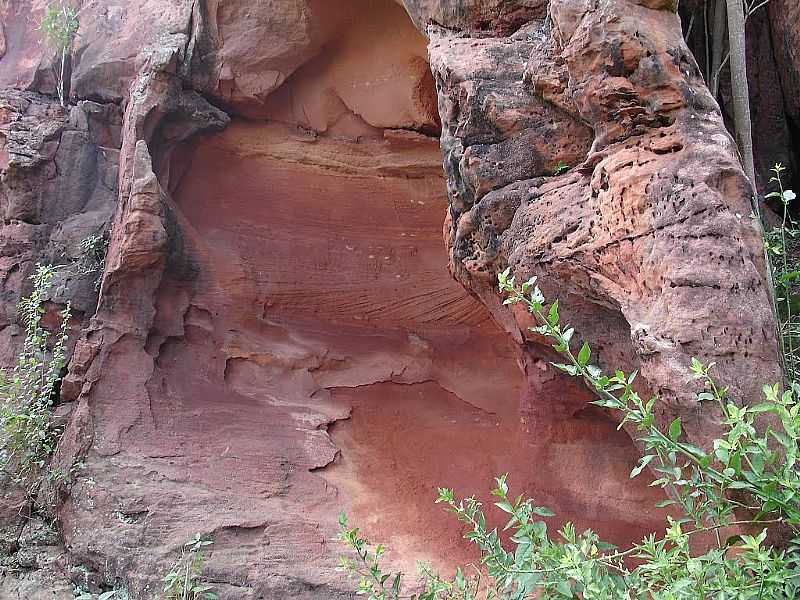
718,45
60,82
740,89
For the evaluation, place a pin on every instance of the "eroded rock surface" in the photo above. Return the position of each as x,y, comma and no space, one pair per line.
58,185
277,336
484,17
648,240
238,351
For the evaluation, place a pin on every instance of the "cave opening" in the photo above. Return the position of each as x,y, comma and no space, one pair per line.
322,339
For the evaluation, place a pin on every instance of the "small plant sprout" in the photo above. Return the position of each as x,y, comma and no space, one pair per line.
561,168
92,259
60,27
785,272
184,581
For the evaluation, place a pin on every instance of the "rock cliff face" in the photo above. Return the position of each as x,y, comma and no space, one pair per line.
785,28
275,335
651,227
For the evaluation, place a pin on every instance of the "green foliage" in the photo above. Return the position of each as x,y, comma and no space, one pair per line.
730,495
561,168
184,581
783,249
93,250
376,584
27,436
92,260
59,25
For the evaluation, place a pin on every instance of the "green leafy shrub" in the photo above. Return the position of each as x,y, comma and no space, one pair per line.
60,27
730,497
28,436
184,581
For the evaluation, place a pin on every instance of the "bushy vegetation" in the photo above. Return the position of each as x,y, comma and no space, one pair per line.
183,581
27,435
736,533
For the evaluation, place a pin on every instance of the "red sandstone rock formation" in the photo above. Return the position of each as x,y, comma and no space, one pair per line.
649,240
482,17
277,337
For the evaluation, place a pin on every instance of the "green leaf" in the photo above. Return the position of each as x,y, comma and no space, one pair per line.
561,167
675,429
542,511
706,397
584,354
739,485
396,585
697,368
698,452
594,371
645,460
552,317
568,369
565,589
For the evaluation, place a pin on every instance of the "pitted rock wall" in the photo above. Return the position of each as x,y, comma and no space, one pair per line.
648,240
